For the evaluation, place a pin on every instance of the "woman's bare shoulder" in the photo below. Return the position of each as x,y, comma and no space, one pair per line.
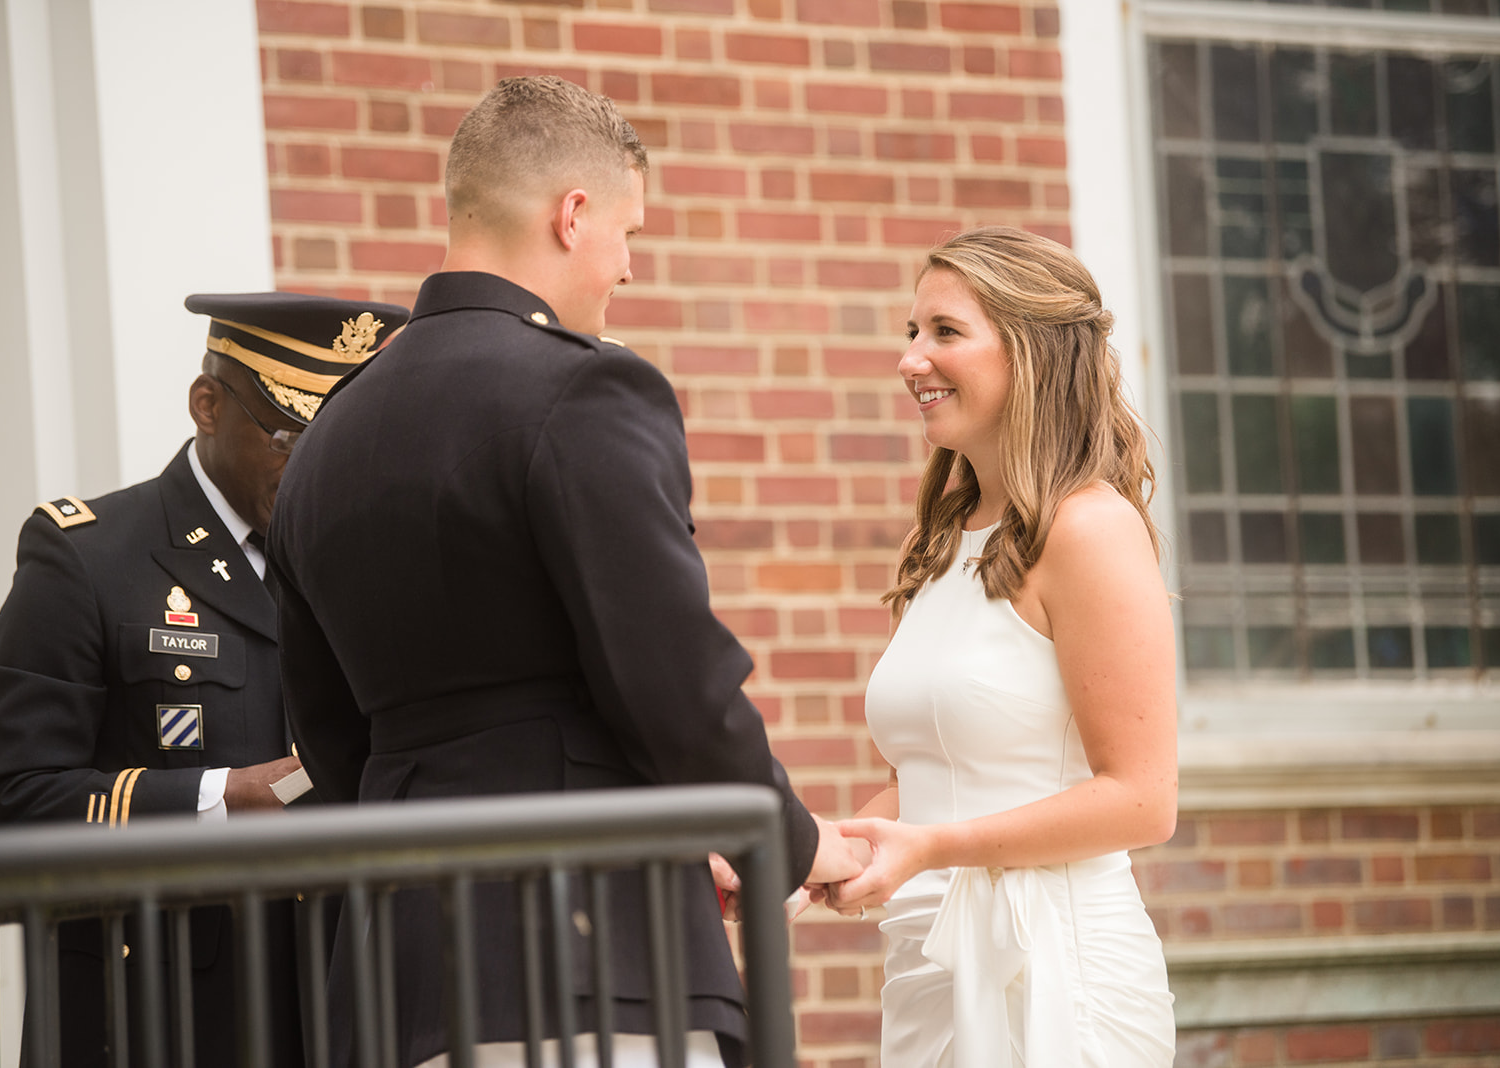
1093,518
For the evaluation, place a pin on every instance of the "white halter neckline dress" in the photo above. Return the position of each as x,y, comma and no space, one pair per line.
1053,967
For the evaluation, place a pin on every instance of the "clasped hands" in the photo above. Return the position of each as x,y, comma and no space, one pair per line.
859,864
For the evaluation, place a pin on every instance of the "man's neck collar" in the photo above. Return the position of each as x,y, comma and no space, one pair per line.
231,519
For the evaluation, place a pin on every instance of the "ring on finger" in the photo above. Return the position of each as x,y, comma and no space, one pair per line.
861,912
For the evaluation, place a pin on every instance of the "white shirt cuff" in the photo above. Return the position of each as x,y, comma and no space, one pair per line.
211,807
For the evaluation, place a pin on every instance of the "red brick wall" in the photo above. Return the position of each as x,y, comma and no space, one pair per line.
1307,873
804,154
1313,872
1447,1043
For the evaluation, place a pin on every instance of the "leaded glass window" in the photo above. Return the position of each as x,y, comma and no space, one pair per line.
1330,251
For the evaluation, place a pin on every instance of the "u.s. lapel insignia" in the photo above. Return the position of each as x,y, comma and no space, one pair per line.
180,609
221,568
179,726
195,536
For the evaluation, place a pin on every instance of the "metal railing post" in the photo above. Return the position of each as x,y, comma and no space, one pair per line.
580,846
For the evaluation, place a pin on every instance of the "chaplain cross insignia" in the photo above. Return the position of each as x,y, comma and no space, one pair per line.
221,568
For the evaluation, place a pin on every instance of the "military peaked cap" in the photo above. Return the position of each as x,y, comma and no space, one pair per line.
296,346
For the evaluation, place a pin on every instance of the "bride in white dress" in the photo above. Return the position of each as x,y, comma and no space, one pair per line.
1026,702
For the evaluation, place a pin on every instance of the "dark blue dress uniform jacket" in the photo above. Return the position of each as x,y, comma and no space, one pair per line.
489,586
84,700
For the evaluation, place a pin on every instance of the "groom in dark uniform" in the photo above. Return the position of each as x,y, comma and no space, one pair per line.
138,663
511,490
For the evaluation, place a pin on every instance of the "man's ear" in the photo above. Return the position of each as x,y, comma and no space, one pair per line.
567,220
204,401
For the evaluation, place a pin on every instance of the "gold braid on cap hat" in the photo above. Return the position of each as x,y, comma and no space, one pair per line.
304,404
352,346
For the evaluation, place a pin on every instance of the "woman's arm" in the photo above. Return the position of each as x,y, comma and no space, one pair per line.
1104,601
885,805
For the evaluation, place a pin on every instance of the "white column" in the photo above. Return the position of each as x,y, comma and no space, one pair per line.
186,208
132,173
1102,177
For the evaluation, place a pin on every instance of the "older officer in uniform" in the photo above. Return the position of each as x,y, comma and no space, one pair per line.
138,661
516,488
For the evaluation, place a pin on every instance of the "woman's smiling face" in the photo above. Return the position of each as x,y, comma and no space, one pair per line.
955,366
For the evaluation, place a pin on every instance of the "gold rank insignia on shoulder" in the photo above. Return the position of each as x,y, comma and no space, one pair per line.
68,512
196,535
180,609
611,341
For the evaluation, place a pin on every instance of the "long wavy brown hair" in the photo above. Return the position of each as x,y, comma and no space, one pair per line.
1065,426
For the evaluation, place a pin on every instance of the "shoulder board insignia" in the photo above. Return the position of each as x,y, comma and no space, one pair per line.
68,512
611,341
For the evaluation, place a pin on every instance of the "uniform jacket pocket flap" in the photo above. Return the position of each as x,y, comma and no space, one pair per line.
181,656
586,741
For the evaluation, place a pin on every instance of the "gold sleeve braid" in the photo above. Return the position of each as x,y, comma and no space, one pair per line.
117,806
135,773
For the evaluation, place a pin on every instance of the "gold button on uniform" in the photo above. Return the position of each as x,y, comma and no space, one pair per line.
183,672
539,318
124,951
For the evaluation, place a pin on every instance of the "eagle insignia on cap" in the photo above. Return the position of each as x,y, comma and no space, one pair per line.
357,337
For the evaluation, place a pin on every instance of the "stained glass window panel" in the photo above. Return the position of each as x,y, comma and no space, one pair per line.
1377,467
1273,647
1427,352
1439,540
1479,331
1471,109
1294,88
1263,537
1331,650
1434,453
1482,426
1193,314
1330,238
1247,321
1381,539
1476,217
1257,444
1390,647
1208,648
1322,537
1413,102
1200,428
1316,434
1236,97
1189,221
1353,110
1209,534
1487,539
1447,647
1179,73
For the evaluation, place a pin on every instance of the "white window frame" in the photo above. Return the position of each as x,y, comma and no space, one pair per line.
1106,90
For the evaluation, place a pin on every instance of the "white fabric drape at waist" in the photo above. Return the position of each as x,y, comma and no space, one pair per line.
993,930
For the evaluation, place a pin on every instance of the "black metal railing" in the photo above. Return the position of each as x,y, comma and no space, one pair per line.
154,871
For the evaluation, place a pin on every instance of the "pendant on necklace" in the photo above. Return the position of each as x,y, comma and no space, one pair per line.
968,564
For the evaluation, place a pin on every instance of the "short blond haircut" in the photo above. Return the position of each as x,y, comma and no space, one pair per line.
536,135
